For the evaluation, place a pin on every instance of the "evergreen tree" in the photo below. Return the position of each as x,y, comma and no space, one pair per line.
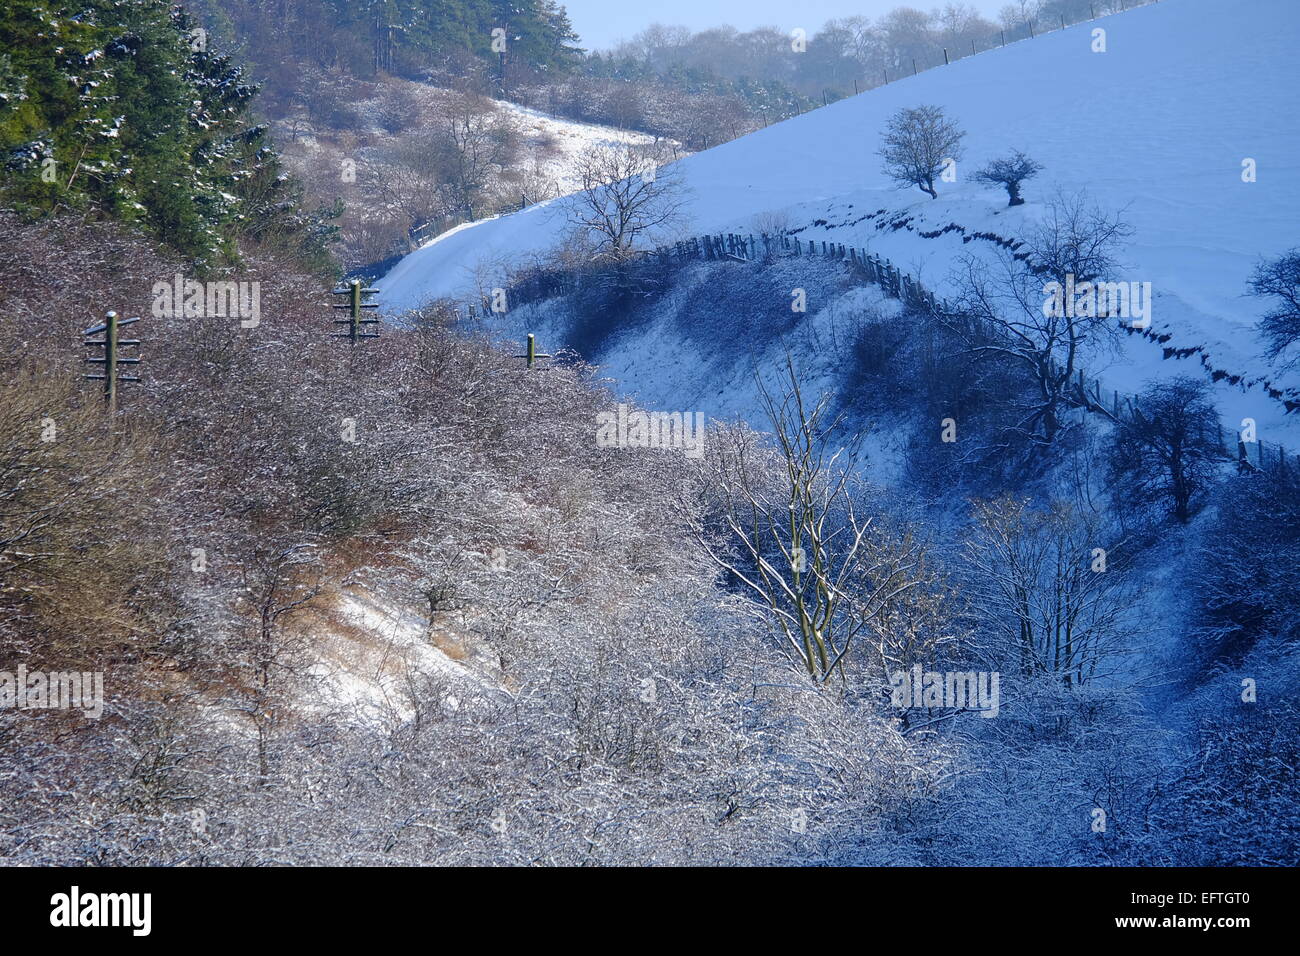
122,105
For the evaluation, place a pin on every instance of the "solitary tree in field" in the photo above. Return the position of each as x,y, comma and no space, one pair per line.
1009,172
918,142
1280,279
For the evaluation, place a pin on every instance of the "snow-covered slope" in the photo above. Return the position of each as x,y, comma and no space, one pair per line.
555,144
1157,126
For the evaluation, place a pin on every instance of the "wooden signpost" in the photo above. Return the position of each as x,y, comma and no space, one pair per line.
111,359
355,306
532,354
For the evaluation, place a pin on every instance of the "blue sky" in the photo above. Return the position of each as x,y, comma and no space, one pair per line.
602,23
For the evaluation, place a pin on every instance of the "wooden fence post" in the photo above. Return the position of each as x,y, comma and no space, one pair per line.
1243,457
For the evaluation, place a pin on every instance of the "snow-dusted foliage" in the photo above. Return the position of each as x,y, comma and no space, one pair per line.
768,550
581,690
1110,577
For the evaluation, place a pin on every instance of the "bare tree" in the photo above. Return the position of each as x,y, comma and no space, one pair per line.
474,144
1020,13
409,180
1015,318
278,584
907,36
1169,449
856,39
534,183
1045,582
1280,279
918,142
625,195
805,552
1009,172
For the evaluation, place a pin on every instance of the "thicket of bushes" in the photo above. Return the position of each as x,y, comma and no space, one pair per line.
626,712
618,702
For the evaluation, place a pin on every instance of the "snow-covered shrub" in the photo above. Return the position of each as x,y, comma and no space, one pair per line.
1244,567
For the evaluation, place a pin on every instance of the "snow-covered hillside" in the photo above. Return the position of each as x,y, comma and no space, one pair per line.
383,149
555,143
1156,127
